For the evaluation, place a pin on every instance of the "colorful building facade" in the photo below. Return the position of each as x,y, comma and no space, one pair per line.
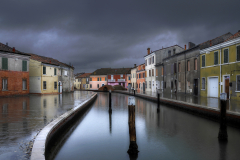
141,78
220,68
14,73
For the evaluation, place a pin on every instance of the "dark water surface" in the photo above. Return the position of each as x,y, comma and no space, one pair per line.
21,118
168,135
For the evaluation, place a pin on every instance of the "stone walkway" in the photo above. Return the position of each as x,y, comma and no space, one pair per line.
232,105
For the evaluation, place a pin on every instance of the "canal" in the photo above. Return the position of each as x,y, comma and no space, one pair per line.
169,134
22,118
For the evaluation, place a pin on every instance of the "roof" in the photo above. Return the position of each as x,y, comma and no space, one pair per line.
215,41
7,48
164,48
14,52
78,74
106,71
48,60
236,35
83,75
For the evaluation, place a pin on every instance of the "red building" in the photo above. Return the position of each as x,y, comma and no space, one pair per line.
140,78
14,73
118,76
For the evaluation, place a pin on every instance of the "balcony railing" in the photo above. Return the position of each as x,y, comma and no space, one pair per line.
121,80
111,80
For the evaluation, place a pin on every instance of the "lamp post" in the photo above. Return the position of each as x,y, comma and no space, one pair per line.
110,102
222,135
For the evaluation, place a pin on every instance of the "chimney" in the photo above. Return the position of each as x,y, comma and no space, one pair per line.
148,51
135,64
185,46
191,45
50,61
13,49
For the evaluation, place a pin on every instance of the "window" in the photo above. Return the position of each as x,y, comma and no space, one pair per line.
203,83
149,73
44,70
90,79
105,79
179,67
139,76
174,50
55,72
203,60
188,65
79,80
153,59
195,64
44,85
97,85
102,84
149,84
55,85
238,53
24,65
145,62
24,84
128,77
169,53
90,85
146,84
238,82
4,84
171,84
143,75
152,72
137,85
97,79
5,63
215,58
100,79
225,55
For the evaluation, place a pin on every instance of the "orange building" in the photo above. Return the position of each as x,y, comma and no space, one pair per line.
14,73
140,78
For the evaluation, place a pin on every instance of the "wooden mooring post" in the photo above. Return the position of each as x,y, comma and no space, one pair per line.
110,102
158,102
222,135
133,147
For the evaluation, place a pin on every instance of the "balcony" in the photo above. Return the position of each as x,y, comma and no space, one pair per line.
111,80
121,80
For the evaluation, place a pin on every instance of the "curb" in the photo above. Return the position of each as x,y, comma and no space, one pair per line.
42,139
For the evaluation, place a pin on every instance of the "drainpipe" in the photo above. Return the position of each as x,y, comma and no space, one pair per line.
220,69
185,72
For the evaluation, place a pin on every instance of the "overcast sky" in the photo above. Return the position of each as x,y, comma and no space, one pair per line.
92,34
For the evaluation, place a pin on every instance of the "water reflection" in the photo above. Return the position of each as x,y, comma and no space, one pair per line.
169,134
22,117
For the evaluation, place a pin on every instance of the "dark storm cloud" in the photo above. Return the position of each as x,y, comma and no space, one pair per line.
106,33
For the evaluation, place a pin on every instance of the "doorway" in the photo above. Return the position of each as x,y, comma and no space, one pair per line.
213,87
226,85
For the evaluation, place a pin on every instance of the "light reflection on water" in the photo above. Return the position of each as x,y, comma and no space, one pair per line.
22,117
170,134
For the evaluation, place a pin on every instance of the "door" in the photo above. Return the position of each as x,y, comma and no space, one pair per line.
143,87
227,87
213,87
195,87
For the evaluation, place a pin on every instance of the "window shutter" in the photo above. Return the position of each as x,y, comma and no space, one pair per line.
203,61
225,56
238,53
238,83
24,65
5,63
44,70
215,57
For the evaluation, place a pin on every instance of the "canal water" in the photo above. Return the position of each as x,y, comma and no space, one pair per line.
22,118
170,134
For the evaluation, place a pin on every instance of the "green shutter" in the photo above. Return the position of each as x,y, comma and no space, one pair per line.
225,55
44,70
55,71
203,60
5,63
24,65
215,58
238,53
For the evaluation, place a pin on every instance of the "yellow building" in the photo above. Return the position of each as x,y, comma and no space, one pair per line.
84,78
220,68
77,83
43,76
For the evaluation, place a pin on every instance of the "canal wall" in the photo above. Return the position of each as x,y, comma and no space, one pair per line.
53,129
233,118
